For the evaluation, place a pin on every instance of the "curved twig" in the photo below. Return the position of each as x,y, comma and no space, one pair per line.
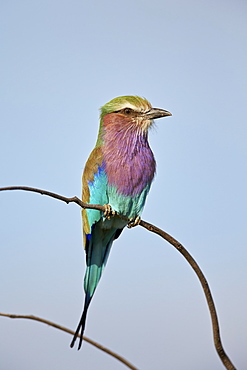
56,196
215,324
86,339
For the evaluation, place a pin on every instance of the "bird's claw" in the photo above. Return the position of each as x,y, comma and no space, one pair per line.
134,222
108,213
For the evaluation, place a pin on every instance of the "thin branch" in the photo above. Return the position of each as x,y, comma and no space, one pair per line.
86,339
56,196
215,324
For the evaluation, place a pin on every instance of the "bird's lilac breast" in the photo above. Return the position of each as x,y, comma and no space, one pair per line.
127,158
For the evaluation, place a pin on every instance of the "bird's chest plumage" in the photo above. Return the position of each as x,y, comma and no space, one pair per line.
128,161
130,167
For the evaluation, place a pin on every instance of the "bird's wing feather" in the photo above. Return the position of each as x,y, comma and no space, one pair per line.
94,182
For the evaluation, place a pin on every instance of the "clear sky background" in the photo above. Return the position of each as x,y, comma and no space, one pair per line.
62,60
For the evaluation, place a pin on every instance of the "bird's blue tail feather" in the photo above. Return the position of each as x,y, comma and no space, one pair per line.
97,251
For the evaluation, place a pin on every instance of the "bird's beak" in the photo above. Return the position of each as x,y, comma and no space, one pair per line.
157,113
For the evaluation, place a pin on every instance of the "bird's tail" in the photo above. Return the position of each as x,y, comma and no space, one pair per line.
97,251
81,326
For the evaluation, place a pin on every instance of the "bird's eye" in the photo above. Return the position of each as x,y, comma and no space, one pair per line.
127,111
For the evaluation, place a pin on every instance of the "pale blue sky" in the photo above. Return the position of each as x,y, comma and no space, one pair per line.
62,60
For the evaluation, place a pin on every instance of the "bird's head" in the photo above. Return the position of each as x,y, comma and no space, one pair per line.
131,109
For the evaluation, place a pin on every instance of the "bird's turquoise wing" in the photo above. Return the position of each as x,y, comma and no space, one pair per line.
94,190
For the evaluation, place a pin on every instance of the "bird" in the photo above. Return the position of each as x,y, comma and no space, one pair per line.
118,175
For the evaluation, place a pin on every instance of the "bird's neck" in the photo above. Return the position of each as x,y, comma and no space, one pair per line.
123,134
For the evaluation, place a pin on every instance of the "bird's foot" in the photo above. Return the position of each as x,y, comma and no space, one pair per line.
108,213
134,222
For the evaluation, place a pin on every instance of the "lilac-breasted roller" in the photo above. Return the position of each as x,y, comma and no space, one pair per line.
117,174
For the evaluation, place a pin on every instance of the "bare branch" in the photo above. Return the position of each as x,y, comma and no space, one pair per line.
215,324
86,339
56,196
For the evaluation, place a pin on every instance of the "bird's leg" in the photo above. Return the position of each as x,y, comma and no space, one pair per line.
134,222
108,213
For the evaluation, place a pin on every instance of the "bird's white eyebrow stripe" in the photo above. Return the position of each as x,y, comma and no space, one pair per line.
128,105
134,108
